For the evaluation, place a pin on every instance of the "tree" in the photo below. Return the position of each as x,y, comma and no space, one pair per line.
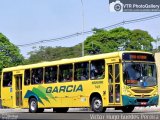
118,39
140,40
9,53
53,53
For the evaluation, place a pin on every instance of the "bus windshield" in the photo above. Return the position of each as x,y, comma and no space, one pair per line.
139,74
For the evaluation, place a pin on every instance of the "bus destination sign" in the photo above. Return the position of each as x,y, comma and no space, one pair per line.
138,57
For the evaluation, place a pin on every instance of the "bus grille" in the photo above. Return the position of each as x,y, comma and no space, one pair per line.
142,91
140,96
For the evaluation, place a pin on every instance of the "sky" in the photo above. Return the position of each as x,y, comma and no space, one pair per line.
27,21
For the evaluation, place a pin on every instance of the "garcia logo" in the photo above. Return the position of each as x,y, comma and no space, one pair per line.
116,6
69,88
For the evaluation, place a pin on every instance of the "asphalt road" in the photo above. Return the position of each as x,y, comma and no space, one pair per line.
81,114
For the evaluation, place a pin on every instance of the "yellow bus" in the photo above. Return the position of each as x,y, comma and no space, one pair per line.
120,80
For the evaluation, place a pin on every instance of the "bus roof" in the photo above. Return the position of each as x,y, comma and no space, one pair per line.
71,60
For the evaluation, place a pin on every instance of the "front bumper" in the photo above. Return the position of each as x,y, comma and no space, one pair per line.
149,101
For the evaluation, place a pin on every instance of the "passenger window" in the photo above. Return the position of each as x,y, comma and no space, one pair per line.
97,69
27,77
81,71
7,79
65,73
50,74
37,76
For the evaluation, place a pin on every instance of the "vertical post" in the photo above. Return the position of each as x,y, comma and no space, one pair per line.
82,27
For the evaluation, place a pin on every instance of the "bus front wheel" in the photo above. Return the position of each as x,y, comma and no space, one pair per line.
97,105
128,109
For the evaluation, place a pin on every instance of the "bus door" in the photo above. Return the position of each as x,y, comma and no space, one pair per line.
114,84
18,90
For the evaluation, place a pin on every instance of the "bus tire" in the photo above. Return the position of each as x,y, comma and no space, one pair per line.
97,105
60,110
33,105
128,109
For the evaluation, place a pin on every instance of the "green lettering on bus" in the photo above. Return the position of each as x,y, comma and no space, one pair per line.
55,89
62,88
69,88
49,90
80,88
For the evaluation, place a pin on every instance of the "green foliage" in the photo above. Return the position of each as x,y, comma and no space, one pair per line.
9,53
140,40
118,39
50,53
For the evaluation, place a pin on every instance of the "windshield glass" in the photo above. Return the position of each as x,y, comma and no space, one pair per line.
139,74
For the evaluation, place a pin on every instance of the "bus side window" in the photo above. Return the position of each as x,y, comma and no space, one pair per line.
81,71
7,79
37,76
27,77
97,69
65,73
50,74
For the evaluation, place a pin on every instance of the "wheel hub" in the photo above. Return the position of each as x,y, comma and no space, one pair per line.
33,105
97,104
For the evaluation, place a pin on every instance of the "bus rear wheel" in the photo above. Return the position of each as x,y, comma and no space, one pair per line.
128,109
33,106
60,110
97,105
